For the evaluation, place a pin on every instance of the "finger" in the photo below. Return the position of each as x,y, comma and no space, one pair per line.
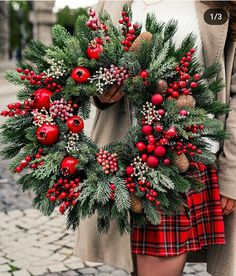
112,91
119,94
223,202
107,96
229,207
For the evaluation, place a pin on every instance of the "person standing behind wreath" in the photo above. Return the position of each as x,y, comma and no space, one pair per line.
216,43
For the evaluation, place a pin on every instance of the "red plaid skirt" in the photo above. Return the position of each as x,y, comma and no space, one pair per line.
200,224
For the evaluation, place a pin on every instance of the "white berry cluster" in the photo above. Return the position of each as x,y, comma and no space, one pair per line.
103,77
42,117
140,168
150,113
56,69
71,143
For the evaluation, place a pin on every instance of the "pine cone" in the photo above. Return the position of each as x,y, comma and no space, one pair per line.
181,162
146,36
136,204
186,101
161,86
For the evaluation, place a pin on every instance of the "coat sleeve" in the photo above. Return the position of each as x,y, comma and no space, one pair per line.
227,159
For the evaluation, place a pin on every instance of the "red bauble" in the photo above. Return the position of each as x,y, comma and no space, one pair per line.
144,157
140,146
41,98
152,161
47,134
158,128
150,148
197,76
160,151
193,84
80,74
143,74
68,165
94,52
75,124
183,112
166,161
129,170
171,132
161,112
147,129
157,99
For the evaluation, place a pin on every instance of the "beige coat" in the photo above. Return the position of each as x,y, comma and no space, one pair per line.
113,122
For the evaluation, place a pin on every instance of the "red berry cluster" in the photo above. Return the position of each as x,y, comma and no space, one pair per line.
93,23
26,162
39,79
189,148
150,194
62,109
112,188
186,82
30,76
194,128
130,184
66,191
50,84
108,161
17,109
128,32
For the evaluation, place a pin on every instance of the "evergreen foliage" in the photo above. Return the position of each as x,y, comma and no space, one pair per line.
159,59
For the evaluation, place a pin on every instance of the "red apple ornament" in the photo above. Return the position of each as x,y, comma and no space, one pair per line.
41,98
94,52
47,134
68,165
80,74
75,124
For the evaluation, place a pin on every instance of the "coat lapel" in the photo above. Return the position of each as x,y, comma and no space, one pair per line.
213,36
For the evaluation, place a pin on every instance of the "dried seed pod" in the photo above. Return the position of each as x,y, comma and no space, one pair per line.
161,86
185,101
181,162
136,204
146,36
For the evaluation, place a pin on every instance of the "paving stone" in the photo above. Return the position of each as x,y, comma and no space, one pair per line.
120,273
3,261
93,264
71,273
189,270
103,274
77,265
199,267
105,268
37,270
21,272
57,268
88,270
4,268
15,213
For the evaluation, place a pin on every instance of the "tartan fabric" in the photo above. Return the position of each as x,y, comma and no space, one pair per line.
198,225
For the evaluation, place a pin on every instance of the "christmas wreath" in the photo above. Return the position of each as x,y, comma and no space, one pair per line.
147,172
